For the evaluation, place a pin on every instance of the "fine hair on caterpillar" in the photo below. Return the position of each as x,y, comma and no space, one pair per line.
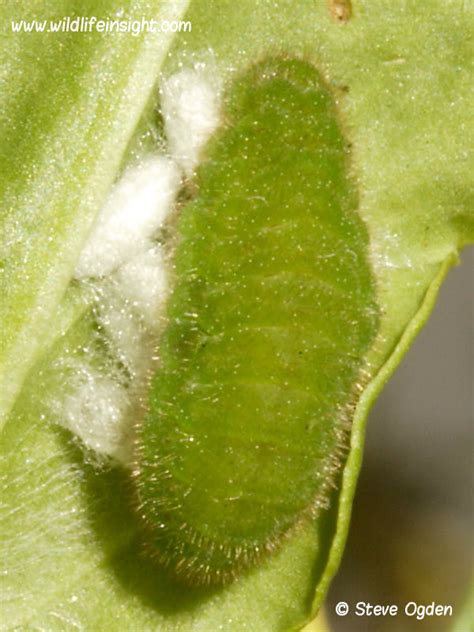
270,318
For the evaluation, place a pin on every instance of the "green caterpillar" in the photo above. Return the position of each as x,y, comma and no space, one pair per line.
271,315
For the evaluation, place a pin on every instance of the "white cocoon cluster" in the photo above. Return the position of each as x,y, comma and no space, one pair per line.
136,208
130,269
190,106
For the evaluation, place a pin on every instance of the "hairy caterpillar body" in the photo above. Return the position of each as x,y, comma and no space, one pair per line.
271,315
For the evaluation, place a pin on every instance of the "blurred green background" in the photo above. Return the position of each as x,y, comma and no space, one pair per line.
412,533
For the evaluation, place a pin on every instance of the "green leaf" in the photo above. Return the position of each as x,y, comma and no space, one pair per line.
73,556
